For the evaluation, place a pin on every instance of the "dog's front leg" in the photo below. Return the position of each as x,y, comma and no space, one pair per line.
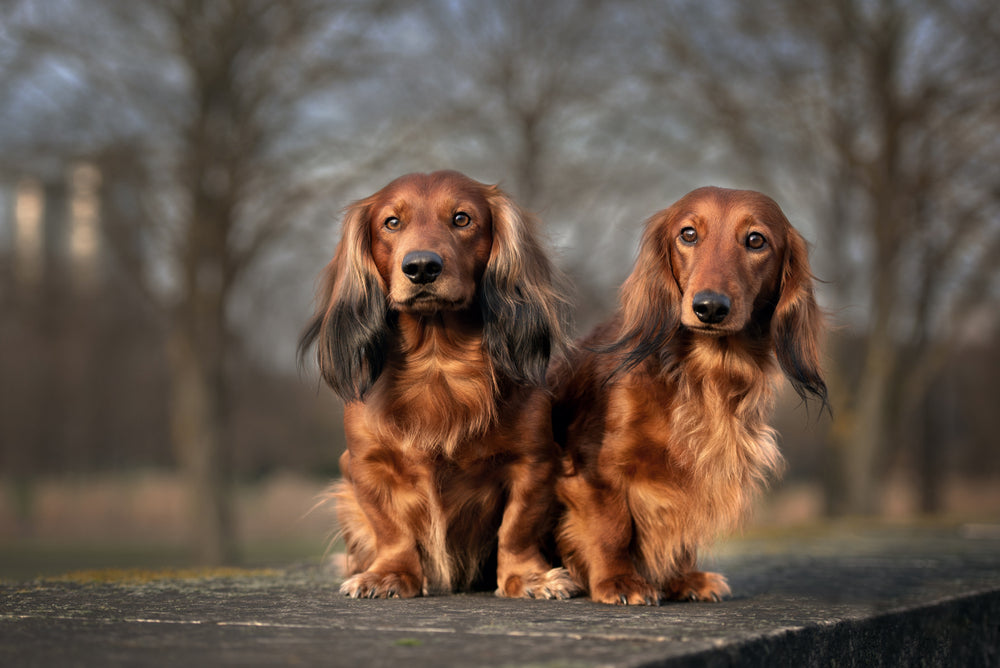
378,511
594,540
522,571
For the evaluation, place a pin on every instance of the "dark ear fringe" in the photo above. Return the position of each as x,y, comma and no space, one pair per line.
351,326
353,342
315,326
650,302
306,339
646,339
796,327
517,334
351,339
521,297
804,377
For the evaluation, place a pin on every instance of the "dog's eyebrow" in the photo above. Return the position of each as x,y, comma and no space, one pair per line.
398,206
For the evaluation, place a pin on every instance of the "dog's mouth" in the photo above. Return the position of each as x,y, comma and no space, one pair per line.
426,301
711,330
715,330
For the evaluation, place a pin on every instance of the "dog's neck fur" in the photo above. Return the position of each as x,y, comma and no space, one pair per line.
729,444
439,388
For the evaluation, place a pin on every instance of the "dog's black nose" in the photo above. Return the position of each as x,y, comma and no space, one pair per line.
711,307
422,266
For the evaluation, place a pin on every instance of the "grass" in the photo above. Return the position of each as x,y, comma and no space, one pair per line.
24,560
131,576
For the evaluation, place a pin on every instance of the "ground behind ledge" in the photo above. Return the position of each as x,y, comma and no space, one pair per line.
830,596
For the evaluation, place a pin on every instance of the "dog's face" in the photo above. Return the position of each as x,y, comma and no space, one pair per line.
427,244
431,237
726,251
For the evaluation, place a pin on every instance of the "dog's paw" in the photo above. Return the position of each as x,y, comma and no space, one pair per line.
372,584
629,589
699,586
555,583
558,583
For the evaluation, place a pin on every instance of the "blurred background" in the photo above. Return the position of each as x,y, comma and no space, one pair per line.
172,175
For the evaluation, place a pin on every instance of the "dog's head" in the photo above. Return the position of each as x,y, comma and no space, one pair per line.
431,237
723,262
425,244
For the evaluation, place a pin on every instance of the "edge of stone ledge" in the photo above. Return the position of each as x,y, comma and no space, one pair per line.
961,630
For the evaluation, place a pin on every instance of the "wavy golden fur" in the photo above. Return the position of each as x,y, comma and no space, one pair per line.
663,410
435,323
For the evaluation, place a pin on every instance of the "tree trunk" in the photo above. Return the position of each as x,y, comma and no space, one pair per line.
855,440
931,462
870,430
862,428
197,417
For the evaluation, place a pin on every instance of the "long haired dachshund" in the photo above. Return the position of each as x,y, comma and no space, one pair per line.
663,410
435,322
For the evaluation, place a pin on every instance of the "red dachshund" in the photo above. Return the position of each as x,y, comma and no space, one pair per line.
663,410
435,323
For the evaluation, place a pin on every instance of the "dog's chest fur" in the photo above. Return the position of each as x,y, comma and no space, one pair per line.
438,391
697,453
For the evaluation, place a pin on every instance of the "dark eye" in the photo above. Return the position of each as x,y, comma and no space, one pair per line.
461,219
689,235
756,241
392,223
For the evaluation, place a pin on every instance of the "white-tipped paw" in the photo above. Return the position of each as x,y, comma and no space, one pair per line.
699,586
555,583
371,584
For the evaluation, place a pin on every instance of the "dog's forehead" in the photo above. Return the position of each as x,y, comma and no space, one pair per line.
725,204
434,191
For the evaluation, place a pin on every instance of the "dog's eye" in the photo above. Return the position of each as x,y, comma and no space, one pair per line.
689,235
392,223
461,219
756,241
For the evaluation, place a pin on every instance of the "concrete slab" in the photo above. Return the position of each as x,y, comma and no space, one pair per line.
837,596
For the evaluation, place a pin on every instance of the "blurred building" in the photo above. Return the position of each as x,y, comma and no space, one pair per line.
84,382
53,224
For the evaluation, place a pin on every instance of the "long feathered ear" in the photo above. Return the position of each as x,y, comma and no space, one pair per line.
796,326
351,324
523,307
650,299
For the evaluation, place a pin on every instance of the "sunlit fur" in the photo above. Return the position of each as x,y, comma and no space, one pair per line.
450,465
663,418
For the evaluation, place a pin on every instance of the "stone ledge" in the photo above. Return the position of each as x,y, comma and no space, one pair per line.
836,596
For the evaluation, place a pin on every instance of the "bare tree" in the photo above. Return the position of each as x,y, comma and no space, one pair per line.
881,119
520,79
527,94
227,124
226,109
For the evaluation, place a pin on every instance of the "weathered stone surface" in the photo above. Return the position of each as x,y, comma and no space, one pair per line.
878,596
